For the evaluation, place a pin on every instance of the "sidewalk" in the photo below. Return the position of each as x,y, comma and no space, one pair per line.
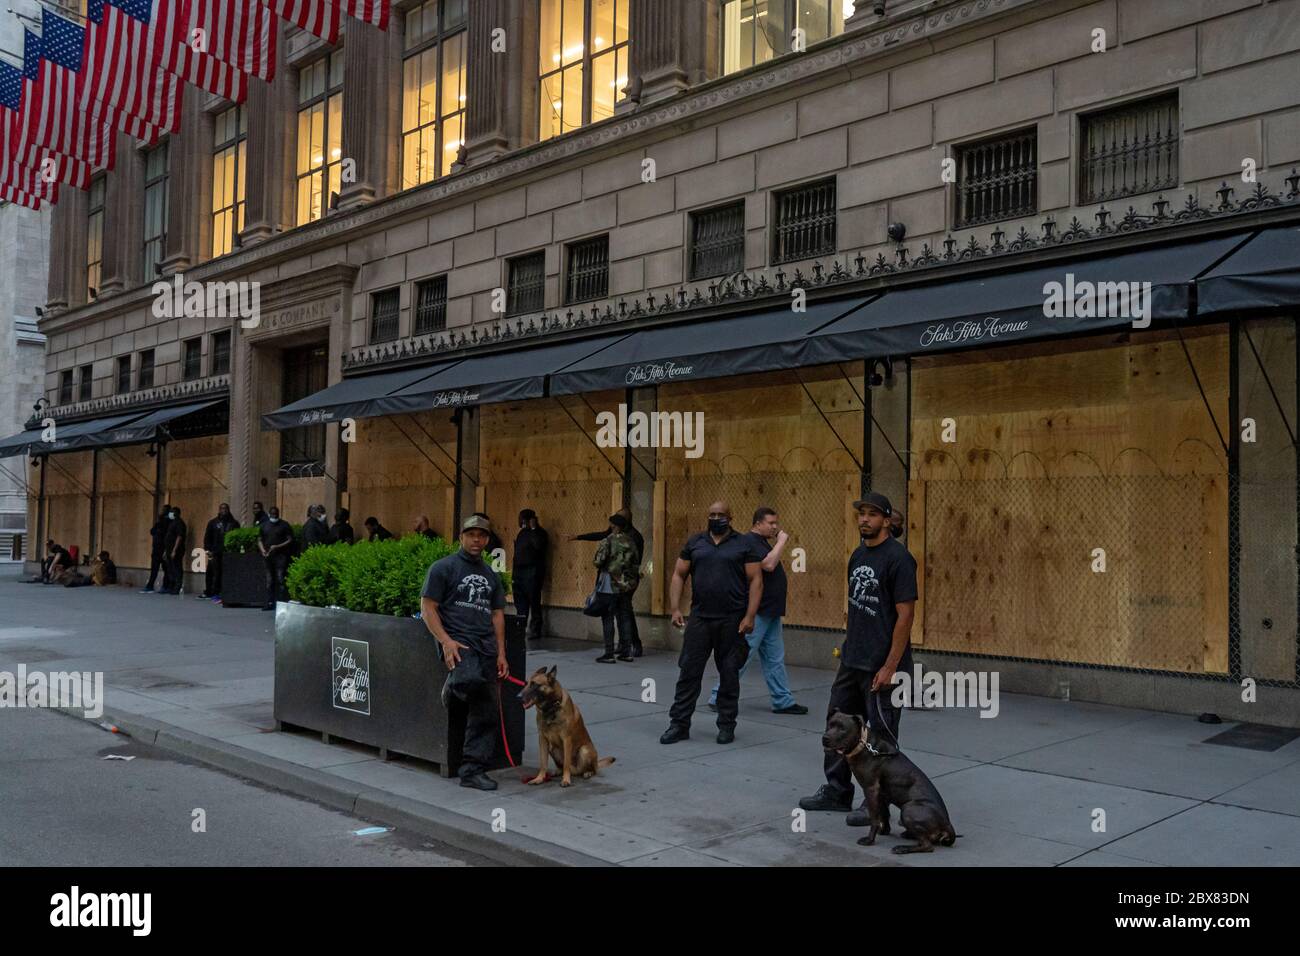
1022,788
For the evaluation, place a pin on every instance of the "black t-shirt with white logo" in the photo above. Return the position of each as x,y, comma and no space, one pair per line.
467,592
880,578
719,586
774,583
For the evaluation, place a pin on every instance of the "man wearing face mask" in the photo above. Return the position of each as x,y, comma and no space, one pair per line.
726,587
275,541
174,553
214,543
877,642
156,552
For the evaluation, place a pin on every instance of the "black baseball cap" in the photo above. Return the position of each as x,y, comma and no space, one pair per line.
877,501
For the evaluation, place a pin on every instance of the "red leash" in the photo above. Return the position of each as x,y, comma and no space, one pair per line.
505,744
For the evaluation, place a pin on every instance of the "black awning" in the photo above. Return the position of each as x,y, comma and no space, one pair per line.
149,427
18,444
1262,274
92,433
356,397
496,377
761,342
1074,297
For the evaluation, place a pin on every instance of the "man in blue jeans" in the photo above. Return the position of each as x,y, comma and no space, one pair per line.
765,640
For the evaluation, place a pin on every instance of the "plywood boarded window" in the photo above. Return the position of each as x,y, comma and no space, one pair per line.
1063,451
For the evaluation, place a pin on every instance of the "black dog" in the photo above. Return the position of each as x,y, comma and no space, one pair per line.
887,777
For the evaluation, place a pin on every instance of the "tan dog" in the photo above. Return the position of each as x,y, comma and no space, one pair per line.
561,734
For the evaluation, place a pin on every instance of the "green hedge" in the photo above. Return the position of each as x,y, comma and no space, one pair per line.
371,577
244,540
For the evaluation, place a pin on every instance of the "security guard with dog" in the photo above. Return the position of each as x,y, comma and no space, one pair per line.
877,642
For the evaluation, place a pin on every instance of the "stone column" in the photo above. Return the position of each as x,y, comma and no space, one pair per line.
186,205
122,267
58,293
371,112
272,115
871,12
669,46
497,81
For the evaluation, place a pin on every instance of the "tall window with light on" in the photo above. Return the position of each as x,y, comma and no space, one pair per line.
94,237
320,135
755,31
155,210
582,63
230,141
433,89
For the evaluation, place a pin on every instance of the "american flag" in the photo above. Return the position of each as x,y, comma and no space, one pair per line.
18,197
55,117
240,33
374,12
167,49
318,17
16,90
118,74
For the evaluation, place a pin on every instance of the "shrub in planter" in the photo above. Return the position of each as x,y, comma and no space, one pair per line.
244,540
370,577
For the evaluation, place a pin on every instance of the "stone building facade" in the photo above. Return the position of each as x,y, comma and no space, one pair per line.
723,165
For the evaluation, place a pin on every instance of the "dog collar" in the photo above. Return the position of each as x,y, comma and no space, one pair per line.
862,745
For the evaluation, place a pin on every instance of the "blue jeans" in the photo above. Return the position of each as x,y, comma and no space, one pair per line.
766,642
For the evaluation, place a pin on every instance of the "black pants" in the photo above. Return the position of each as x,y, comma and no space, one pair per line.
851,693
212,577
277,565
155,564
173,574
482,722
620,611
631,617
527,588
720,637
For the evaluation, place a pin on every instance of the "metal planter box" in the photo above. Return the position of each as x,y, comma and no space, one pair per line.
376,680
243,580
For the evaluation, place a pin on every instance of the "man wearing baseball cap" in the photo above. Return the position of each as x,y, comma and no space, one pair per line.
877,641
463,606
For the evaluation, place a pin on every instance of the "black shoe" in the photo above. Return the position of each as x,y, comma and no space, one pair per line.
606,658
674,733
637,650
726,736
861,818
827,798
792,709
478,781
624,654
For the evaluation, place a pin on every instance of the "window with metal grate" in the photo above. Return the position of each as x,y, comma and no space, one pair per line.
431,305
805,222
220,353
123,374
65,387
146,369
718,241
587,276
192,366
1129,150
997,179
526,285
384,307
85,383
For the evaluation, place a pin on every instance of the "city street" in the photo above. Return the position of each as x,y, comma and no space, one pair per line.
66,805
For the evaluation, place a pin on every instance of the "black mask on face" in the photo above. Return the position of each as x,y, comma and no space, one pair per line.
719,525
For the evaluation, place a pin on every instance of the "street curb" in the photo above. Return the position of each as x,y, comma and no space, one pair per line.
447,826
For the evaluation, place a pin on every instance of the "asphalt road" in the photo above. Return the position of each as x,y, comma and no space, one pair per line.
64,805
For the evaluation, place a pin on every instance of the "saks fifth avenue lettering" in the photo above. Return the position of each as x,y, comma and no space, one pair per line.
970,330
654,372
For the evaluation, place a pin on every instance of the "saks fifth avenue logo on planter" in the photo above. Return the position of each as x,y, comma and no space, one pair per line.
350,670
969,330
654,372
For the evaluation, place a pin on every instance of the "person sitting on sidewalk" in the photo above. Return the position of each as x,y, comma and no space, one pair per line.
59,564
765,640
463,606
103,572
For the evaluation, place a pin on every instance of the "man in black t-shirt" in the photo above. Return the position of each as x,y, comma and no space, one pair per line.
766,640
463,606
214,543
275,541
726,585
877,642
342,530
